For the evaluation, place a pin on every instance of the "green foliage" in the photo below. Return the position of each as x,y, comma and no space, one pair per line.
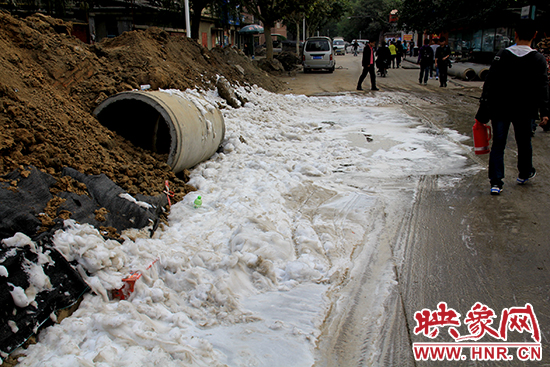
367,19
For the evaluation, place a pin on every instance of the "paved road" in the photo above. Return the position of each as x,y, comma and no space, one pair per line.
456,243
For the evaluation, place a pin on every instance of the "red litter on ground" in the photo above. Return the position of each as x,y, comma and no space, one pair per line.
129,283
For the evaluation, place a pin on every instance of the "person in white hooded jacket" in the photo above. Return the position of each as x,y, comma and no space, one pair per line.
515,92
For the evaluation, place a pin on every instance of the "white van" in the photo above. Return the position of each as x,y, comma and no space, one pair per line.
339,46
318,54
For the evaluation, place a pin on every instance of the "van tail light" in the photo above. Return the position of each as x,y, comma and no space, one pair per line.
330,57
303,57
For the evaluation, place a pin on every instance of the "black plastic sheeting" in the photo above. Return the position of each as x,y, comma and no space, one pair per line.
17,324
20,207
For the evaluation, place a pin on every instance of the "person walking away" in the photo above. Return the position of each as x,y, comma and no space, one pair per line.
515,92
382,59
355,46
368,67
425,59
411,48
405,50
434,46
442,60
393,52
398,52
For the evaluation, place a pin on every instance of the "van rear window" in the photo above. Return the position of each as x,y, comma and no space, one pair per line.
321,45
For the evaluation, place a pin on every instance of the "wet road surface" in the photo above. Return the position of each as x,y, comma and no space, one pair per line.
455,243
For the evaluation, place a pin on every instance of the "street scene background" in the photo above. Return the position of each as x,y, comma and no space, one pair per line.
329,217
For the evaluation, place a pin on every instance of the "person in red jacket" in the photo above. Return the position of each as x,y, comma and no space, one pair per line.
368,67
515,92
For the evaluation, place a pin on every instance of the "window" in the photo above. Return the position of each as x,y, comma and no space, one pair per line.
320,45
488,44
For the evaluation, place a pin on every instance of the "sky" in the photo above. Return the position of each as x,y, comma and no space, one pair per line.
294,204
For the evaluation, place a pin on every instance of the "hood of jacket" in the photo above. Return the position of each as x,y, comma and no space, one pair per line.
520,51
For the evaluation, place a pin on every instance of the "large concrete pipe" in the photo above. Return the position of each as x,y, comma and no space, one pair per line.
480,69
186,128
462,71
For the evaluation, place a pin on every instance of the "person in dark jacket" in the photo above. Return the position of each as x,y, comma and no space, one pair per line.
399,52
442,60
383,57
515,92
368,67
425,59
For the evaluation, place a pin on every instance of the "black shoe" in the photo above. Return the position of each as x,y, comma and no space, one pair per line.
359,88
374,88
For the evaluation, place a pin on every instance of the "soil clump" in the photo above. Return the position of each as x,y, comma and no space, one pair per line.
50,82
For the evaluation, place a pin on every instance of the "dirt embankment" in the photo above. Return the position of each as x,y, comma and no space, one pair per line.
50,82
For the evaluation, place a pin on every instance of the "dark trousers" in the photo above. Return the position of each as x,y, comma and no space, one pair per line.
366,70
442,73
392,58
522,130
424,72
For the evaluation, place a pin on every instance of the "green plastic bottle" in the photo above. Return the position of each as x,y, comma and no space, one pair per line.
198,202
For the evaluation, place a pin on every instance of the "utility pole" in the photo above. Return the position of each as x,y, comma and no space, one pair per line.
187,20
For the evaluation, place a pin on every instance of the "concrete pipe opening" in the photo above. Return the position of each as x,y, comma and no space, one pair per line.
482,73
186,128
463,72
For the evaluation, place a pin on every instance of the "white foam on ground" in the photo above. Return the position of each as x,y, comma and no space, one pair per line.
242,280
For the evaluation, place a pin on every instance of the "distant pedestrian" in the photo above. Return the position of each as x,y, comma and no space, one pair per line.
442,60
355,47
434,46
515,92
425,59
393,52
411,48
383,57
398,52
368,67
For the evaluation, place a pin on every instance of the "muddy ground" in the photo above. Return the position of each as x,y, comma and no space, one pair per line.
50,82
456,243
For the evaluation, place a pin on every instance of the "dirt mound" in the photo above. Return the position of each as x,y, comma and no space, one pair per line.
50,82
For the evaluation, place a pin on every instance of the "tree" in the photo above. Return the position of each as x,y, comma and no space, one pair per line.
271,11
368,18
321,12
295,18
197,6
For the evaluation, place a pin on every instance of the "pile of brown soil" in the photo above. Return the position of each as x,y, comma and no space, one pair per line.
50,82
